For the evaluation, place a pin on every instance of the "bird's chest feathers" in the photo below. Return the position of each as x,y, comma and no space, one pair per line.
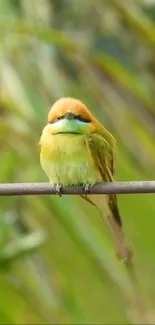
68,160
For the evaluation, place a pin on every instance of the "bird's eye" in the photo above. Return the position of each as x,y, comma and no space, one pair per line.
80,118
58,118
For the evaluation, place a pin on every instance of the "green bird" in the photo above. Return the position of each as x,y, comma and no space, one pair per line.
77,150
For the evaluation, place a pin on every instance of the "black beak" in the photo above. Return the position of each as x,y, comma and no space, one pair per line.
69,116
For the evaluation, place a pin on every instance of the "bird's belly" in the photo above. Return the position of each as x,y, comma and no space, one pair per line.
70,163
71,173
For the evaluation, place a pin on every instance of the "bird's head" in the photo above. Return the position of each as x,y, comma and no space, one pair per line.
69,115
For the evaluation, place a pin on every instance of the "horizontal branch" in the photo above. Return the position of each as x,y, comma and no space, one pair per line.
100,188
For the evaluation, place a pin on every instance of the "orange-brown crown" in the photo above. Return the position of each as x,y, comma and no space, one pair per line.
65,104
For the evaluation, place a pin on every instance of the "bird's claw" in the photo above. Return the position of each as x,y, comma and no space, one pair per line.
87,188
58,188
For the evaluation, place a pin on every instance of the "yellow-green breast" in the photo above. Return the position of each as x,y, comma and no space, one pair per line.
67,160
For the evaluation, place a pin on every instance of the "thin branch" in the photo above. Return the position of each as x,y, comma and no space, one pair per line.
100,188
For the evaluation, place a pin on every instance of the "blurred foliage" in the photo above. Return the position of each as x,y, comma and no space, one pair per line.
101,52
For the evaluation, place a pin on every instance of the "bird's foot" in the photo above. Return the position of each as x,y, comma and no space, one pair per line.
58,188
86,188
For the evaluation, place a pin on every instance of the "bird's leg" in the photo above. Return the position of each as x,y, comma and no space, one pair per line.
86,188
58,188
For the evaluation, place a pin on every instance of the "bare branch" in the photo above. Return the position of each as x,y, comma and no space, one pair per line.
100,188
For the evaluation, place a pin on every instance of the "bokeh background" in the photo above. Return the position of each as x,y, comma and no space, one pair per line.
57,262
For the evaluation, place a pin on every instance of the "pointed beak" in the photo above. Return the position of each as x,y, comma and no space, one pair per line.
70,116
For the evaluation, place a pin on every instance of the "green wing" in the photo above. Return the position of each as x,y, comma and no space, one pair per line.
102,147
103,150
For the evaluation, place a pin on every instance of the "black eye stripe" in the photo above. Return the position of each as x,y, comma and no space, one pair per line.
76,117
58,118
79,118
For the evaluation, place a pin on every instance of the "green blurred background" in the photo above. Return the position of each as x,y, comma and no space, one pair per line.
57,261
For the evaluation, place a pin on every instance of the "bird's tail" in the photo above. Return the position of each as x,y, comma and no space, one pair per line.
107,205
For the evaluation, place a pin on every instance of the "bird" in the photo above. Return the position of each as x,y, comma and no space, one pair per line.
76,149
